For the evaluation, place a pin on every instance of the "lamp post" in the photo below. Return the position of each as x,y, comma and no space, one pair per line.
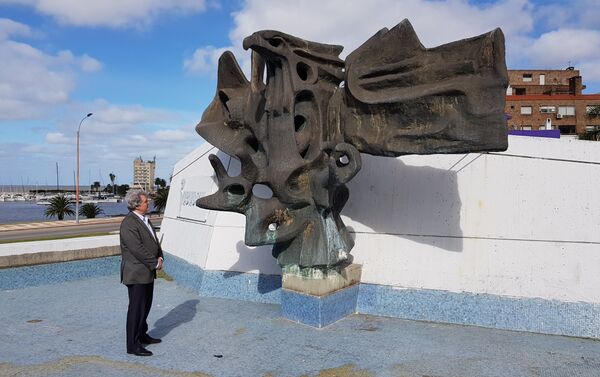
77,180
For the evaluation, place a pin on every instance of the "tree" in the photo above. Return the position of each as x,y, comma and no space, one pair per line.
160,183
122,189
160,199
112,181
90,210
59,206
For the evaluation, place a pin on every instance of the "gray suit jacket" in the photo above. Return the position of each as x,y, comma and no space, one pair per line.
139,251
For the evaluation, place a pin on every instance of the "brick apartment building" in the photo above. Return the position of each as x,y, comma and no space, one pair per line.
550,99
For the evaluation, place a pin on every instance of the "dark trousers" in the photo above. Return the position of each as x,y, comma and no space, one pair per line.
140,301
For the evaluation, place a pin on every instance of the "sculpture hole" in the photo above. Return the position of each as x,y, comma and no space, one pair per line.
303,71
253,143
304,96
304,152
275,41
262,191
235,189
273,227
343,160
299,123
224,99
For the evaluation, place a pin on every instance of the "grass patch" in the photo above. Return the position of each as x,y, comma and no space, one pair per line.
50,238
163,275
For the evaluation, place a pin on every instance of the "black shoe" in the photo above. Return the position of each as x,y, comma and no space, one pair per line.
140,351
150,340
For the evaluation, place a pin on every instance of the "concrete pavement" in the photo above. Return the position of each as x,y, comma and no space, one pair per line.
76,328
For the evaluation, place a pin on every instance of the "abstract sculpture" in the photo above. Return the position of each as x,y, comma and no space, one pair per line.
300,130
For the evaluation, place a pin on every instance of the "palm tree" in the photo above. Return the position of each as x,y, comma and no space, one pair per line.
159,183
112,181
59,206
90,210
160,199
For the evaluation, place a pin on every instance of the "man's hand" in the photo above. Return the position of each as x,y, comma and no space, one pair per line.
159,264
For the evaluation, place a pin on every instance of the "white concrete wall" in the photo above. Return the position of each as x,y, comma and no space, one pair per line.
19,248
521,223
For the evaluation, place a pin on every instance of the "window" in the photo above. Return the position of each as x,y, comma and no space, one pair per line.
590,128
527,77
567,130
566,110
593,110
526,110
526,128
509,91
542,79
547,109
519,91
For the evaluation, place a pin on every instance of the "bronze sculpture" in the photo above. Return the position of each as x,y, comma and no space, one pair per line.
300,128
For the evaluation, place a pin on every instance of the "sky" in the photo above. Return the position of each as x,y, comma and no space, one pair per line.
146,69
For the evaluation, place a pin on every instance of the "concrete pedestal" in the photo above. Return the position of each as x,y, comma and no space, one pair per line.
319,297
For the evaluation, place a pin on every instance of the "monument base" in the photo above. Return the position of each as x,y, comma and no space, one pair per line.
319,297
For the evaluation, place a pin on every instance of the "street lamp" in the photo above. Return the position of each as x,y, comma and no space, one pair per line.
77,180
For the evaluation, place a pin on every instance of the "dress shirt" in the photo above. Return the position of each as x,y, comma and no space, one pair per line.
144,218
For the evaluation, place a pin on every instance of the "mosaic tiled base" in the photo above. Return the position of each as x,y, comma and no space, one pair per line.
32,276
522,314
224,284
500,312
318,311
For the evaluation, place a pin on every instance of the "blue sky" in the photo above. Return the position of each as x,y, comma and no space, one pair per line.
146,68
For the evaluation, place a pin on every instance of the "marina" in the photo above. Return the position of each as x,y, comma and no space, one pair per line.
22,210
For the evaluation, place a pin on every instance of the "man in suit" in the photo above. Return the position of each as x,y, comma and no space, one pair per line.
141,256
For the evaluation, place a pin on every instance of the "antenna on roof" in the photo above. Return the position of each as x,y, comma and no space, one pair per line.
570,67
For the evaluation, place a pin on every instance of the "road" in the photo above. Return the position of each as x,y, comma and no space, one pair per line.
37,232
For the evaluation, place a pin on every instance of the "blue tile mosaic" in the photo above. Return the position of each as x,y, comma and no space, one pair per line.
509,313
522,314
52,273
224,284
319,311
185,274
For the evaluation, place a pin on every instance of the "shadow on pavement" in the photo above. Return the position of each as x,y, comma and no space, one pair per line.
179,315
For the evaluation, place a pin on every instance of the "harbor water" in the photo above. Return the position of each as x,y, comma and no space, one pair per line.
29,211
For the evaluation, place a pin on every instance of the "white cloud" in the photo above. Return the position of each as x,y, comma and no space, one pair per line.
545,36
573,14
559,48
57,138
11,28
89,64
173,135
85,63
111,13
32,81
29,81
111,139
203,60
351,23
107,113
556,46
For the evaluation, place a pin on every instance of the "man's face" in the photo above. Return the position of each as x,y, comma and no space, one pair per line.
144,205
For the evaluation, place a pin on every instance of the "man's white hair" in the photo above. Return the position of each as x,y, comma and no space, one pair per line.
134,198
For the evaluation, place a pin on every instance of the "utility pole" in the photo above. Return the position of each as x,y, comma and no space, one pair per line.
77,180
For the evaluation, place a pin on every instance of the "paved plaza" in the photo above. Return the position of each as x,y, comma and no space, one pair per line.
77,329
